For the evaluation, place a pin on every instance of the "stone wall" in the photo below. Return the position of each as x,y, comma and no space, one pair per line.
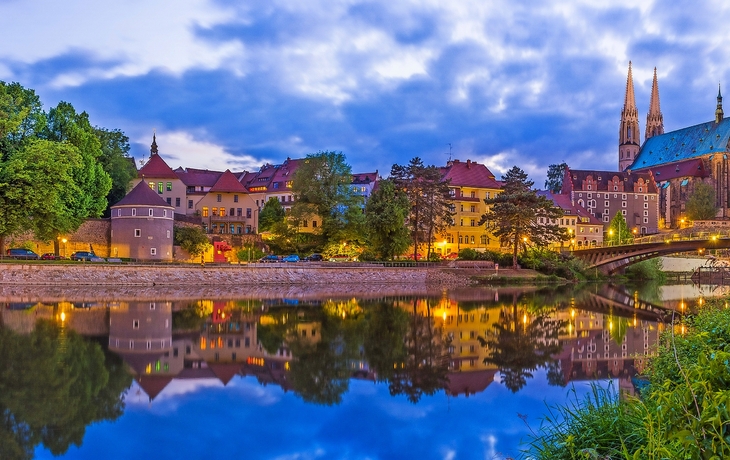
90,274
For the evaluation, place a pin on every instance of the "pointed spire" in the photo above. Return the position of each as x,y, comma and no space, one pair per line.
654,118
719,115
628,137
153,147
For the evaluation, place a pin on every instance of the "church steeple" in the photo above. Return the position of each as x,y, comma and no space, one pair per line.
654,118
719,115
153,147
628,136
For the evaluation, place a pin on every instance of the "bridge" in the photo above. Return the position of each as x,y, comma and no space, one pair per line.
611,259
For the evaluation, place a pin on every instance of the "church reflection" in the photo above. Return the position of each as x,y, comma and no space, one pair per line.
460,342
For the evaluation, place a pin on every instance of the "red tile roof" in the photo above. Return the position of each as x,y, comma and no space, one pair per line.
228,183
364,178
153,384
156,168
563,201
469,174
667,171
198,177
225,371
142,195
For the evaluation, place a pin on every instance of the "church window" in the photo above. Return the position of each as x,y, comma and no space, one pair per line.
641,189
606,204
589,187
615,188
646,213
652,198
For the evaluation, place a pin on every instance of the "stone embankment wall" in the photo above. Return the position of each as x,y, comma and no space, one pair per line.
225,275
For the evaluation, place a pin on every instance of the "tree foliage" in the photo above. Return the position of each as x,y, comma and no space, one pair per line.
428,195
385,216
321,186
271,214
701,204
191,239
117,163
518,215
619,231
555,174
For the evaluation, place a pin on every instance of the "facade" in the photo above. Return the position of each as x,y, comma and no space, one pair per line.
677,160
163,180
141,226
605,193
470,183
228,208
584,228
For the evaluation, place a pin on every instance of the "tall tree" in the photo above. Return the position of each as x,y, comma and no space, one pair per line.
385,216
519,215
116,162
701,204
428,195
271,214
21,117
555,174
321,186
619,231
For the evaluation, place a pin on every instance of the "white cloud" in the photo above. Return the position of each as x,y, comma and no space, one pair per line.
181,148
127,38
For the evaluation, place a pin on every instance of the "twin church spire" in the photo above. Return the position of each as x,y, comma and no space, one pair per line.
629,137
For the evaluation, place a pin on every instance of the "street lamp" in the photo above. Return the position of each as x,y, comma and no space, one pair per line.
64,241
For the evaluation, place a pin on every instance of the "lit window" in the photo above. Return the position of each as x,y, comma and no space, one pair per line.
160,187
169,187
205,211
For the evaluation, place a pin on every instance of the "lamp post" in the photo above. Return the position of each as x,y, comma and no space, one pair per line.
64,241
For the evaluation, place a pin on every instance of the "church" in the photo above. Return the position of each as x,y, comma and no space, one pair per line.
676,160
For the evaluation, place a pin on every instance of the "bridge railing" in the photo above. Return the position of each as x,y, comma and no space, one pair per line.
664,238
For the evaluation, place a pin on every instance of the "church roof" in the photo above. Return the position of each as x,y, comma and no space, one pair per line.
228,183
469,174
142,195
156,168
574,178
689,168
692,142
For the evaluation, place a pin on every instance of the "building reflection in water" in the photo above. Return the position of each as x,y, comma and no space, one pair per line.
459,342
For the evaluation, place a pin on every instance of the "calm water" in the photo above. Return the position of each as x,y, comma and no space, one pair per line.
457,374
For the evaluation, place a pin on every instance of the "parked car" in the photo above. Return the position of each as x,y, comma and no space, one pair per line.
21,253
51,256
270,258
340,258
314,258
291,258
83,255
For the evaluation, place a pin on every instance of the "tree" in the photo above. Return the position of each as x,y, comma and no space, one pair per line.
518,215
385,215
618,230
272,213
428,196
116,162
191,239
321,186
21,117
701,204
555,174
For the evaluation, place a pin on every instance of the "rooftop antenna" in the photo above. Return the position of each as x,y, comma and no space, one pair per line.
449,144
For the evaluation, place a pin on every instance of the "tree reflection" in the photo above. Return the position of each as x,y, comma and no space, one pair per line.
53,384
524,340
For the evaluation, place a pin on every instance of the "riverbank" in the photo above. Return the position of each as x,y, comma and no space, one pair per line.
42,274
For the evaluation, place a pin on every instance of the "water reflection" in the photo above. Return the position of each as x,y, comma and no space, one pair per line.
54,382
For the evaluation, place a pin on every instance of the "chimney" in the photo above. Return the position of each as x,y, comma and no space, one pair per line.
468,164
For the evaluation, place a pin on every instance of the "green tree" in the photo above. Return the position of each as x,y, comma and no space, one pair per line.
116,162
619,231
272,213
555,174
191,239
519,215
385,216
321,186
428,196
21,117
701,204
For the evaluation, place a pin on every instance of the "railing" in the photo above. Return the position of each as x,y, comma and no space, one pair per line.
663,238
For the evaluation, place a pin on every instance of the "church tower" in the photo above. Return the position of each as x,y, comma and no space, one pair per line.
628,136
719,115
654,119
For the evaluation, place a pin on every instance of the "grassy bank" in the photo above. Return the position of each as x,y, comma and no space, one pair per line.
682,411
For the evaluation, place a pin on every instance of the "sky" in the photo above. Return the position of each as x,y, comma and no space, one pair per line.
230,84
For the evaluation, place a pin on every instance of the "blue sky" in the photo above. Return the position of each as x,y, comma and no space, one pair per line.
235,84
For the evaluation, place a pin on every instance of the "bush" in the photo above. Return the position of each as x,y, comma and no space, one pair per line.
650,269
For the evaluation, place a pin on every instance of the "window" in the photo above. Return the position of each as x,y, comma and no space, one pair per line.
119,212
461,239
646,213
473,194
177,202
606,204
623,212
248,213
646,205
135,324
153,251
150,212
472,239
168,234
219,198
235,198
169,201
304,223
646,220
190,204
473,224
233,228
623,204
160,187
205,211
152,185
590,195
314,224
169,187
152,305
134,211
137,232
623,196
646,197
232,213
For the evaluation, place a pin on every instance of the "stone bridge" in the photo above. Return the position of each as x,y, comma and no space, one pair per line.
612,259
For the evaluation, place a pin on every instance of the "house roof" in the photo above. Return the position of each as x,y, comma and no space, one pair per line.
225,371
156,168
153,384
692,142
688,168
228,183
365,178
468,383
142,195
285,173
469,174
563,201
198,177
